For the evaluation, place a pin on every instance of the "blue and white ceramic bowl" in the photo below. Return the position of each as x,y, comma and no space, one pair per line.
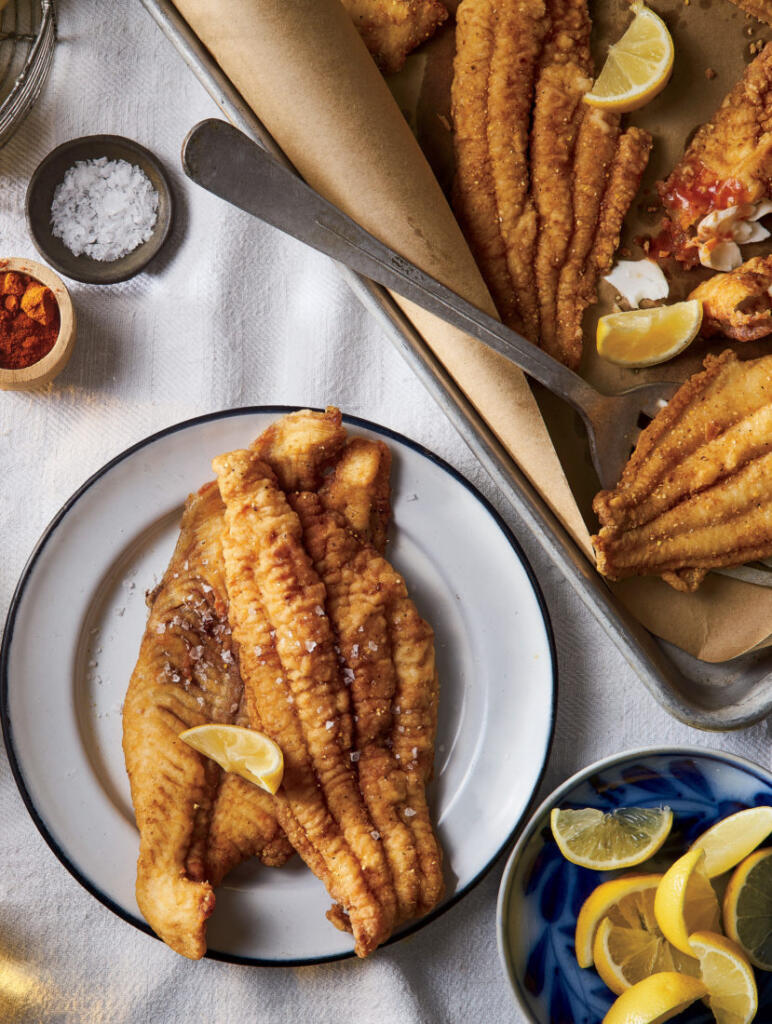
541,892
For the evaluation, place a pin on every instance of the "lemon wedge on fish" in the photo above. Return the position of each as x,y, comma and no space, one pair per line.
645,337
637,67
248,753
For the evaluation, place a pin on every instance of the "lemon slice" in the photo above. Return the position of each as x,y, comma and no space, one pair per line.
622,895
637,67
619,839
645,337
656,999
629,946
748,908
728,976
731,840
248,753
685,901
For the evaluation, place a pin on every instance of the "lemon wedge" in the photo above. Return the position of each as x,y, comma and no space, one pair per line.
728,977
621,895
638,67
620,839
685,901
629,946
248,753
645,337
656,999
748,908
731,840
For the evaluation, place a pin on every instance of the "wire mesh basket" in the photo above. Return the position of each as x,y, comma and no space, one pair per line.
27,38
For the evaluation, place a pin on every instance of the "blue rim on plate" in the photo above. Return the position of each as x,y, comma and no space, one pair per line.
7,640
541,892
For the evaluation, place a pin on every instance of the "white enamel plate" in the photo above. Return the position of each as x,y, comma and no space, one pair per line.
73,634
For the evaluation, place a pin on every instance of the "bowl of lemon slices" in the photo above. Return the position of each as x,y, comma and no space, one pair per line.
641,891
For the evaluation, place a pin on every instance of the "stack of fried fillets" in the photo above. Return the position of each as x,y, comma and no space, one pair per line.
543,181
278,611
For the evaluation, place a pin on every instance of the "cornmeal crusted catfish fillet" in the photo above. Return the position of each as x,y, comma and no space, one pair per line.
729,160
293,686
359,489
388,652
187,674
697,491
738,304
392,28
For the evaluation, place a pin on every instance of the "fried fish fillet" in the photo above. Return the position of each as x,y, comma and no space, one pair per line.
543,182
738,304
696,493
761,9
359,489
728,162
474,193
388,653
295,692
586,264
187,674
392,28
565,75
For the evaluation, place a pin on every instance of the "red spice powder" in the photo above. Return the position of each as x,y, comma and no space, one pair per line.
29,321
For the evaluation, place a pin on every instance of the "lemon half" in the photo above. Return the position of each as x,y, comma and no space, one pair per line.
619,839
637,67
248,753
645,337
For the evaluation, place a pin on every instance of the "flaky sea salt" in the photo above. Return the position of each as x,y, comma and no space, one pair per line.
104,208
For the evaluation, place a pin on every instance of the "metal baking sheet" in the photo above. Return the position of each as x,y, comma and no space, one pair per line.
719,697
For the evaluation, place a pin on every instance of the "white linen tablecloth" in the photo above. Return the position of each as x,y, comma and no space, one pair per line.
232,313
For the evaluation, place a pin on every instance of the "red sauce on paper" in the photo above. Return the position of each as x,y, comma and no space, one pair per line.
29,320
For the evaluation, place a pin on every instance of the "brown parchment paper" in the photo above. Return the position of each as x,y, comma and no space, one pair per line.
303,69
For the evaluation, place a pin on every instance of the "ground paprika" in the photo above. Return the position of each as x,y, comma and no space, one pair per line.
29,320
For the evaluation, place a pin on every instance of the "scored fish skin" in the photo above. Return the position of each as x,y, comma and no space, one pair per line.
388,653
291,676
695,493
187,674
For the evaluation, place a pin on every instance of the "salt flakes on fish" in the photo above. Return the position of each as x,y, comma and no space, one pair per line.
104,208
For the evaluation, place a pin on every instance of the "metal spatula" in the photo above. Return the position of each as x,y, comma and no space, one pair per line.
223,160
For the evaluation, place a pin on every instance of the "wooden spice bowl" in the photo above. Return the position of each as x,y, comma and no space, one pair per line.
53,362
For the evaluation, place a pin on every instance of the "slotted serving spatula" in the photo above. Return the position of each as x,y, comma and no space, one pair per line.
226,162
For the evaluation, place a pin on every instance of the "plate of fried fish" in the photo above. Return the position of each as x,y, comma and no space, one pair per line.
328,583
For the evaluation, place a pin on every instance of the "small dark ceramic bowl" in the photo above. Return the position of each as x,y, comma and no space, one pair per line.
40,194
541,892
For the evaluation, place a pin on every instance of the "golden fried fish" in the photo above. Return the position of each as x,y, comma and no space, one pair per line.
296,694
727,163
195,822
392,28
543,182
738,304
696,493
387,651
